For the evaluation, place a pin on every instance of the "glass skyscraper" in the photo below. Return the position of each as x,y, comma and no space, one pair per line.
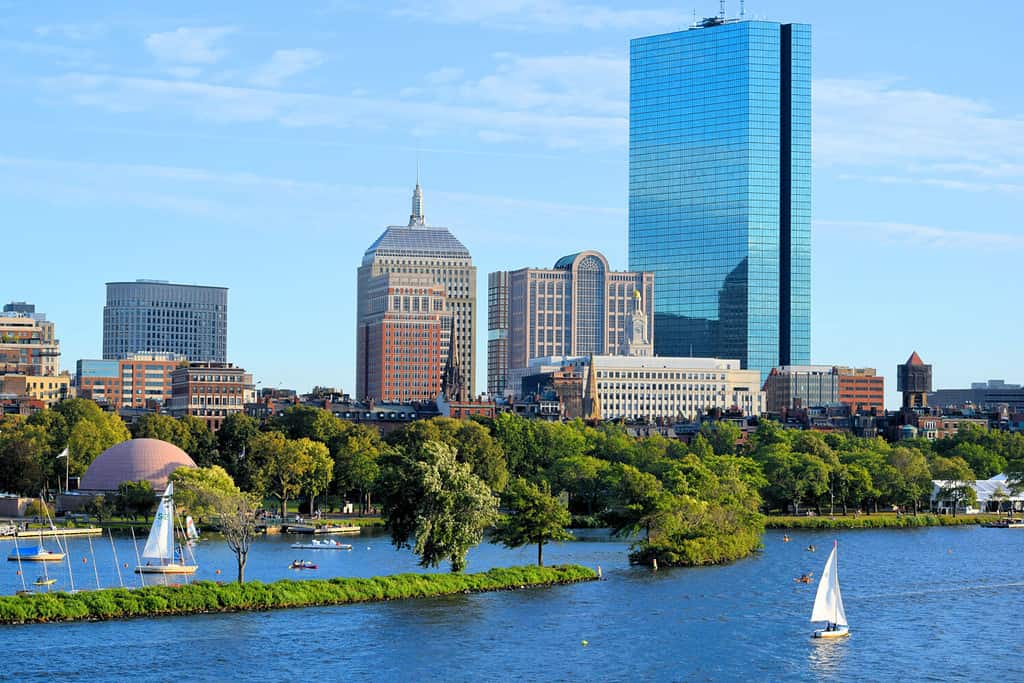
720,188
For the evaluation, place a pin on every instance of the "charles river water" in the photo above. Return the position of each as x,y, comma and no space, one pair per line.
931,604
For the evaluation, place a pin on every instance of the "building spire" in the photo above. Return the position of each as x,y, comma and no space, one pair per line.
417,217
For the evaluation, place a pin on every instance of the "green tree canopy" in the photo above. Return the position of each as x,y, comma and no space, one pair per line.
439,502
536,517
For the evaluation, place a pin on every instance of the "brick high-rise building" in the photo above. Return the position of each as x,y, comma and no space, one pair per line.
402,335
430,267
211,391
862,389
141,380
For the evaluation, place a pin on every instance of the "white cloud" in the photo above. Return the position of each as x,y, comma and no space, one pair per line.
927,235
919,132
537,113
189,45
444,75
90,31
284,64
543,15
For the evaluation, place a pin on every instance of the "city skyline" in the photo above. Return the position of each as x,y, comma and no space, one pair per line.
204,148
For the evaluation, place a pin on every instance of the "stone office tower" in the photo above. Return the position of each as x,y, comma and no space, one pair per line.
416,281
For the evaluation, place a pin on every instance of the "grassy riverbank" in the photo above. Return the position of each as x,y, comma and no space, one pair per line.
875,521
208,597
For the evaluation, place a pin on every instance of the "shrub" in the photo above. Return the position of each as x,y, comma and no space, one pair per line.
205,596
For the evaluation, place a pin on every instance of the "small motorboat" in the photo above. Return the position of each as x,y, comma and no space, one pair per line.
34,554
998,524
317,544
302,564
44,581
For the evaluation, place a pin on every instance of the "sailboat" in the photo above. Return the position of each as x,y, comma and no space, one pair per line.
37,553
160,545
191,533
828,602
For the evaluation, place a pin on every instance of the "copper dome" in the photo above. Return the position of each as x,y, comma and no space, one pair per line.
151,460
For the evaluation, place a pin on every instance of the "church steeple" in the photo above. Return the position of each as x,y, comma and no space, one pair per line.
417,217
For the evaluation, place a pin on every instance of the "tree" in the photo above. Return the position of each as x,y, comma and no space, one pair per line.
22,468
210,490
319,472
194,488
163,427
440,502
91,436
471,441
537,517
236,515
722,436
914,476
642,502
234,440
957,481
316,424
284,465
135,498
355,462
202,444
581,477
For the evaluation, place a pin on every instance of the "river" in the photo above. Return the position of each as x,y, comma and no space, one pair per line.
924,604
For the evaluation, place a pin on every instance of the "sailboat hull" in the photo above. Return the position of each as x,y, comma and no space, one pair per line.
167,569
39,557
839,632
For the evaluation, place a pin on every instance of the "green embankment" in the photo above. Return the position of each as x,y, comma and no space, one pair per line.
877,521
206,597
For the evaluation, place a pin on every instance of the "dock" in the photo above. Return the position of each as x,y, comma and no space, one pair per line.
320,529
49,533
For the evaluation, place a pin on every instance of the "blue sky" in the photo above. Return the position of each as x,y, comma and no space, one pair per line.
263,146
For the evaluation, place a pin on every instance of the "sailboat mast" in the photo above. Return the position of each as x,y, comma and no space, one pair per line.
835,579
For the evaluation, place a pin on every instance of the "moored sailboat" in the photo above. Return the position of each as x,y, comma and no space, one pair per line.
160,545
828,602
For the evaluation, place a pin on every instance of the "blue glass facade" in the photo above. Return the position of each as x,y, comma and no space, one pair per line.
719,189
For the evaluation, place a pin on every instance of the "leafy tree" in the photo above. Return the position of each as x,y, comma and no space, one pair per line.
722,436
983,462
202,444
92,435
234,439
915,478
581,476
440,502
135,498
194,488
285,465
536,517
320,470
957,481
210,491
356,467
101,507
471,441
163,427
306,422
22,468
642,502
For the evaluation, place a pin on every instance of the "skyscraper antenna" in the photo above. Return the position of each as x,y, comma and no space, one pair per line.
742,9
721,8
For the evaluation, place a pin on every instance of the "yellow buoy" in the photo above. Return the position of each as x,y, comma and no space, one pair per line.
584,643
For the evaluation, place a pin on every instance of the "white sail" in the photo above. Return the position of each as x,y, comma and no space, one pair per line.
190,529
160,544
828,603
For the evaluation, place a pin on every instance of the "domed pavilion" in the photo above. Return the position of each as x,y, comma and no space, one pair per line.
149,460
